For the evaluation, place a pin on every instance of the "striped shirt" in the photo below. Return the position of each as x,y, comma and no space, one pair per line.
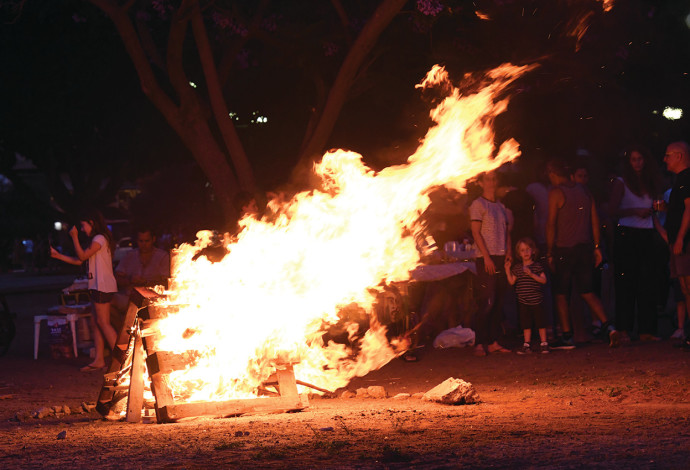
529,291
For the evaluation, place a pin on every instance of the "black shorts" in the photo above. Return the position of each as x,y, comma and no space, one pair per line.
532,316
574,264
99,297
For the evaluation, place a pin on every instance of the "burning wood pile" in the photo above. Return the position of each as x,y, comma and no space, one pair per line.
228,331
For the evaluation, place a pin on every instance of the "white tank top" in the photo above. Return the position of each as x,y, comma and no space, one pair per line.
631,200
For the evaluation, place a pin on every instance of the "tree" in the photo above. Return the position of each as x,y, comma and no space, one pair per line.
203,122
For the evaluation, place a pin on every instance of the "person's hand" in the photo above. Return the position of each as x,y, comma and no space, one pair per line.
507,265
552,264
74,232
54,253
677,247
489,265
598,257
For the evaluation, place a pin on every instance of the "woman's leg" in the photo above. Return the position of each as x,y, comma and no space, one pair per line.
103,322
98,360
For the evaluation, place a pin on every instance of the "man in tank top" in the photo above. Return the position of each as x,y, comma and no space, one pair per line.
572,250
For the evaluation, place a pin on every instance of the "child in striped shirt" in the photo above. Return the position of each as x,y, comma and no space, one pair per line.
528,277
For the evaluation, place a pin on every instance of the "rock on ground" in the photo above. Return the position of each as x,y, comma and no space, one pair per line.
453,392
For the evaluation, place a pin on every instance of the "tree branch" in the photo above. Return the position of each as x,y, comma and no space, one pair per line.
218,105
381,18
149,84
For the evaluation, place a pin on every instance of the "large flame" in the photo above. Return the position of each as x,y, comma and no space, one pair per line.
321,258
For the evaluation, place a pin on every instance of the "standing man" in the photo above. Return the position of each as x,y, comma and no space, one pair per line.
572,249
147,265
677,159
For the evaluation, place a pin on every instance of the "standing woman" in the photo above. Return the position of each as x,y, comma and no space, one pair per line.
491,223
634,241
102,284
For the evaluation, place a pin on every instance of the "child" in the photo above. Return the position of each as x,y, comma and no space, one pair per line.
528,278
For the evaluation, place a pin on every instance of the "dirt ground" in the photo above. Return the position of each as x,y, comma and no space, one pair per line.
592,407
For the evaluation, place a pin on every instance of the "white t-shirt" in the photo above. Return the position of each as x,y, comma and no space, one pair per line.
494,219
101,277
630,200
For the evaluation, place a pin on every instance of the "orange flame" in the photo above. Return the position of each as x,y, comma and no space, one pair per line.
289,277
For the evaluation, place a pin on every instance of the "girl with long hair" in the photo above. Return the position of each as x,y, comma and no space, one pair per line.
631,203
102,284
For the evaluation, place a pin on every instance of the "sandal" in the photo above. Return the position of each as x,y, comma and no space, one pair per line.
479,351
91,368
499,349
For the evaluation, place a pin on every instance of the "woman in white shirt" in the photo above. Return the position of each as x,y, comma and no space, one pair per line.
633,247
102,284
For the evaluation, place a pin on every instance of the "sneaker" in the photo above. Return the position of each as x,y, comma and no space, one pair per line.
544,348
525,349
562,343
678,334
614,339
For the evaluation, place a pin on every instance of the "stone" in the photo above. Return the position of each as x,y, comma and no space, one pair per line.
66,410
43,412
61,435
418,395
362,393
347,394
401,396
377,391
22,416
453,392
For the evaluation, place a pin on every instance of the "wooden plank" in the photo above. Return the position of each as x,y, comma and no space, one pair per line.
166,362
221,409
135,397
286,382
149,327
143,296
162,394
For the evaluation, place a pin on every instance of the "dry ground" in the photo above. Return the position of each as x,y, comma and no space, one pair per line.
592,407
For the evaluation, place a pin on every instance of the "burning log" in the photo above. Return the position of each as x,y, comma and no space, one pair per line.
125,378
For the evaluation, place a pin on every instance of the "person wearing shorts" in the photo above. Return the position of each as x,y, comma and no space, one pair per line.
102,284
677,160
572,250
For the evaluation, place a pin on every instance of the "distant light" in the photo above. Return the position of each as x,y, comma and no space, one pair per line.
192,84
58,226
655,112
687,20
672,114
262,119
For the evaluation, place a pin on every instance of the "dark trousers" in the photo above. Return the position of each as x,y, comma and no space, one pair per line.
491,290
635,281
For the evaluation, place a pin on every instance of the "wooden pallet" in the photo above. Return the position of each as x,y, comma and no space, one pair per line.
124,383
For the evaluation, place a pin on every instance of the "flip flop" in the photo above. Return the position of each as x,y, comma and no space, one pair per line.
90,368
501,350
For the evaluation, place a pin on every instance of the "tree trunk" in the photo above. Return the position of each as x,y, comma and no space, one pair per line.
384,14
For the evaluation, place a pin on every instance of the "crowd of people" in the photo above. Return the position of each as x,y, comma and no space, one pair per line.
566,236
